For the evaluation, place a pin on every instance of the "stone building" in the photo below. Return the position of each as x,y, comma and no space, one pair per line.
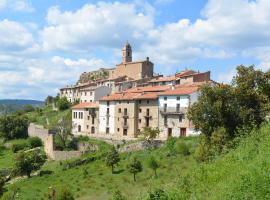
134,109
85,119
92,94
135,70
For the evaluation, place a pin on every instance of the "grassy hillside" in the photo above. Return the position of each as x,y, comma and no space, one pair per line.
98,183
47,117
243,173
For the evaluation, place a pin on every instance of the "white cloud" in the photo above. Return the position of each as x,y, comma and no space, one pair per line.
14,36
17,5
102,24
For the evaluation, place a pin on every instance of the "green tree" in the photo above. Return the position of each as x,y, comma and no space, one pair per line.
153,164
150,133
112,158
49,100
134,167
64,194
63,103
26,162
13,126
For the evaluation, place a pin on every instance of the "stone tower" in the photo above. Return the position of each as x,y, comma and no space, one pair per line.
126,53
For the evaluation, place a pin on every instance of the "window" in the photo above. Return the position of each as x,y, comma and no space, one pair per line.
165,98
125,131
93,120
177,98
91,93
108,103
88,117
118,129
82,115
140,110
147,112
125,121
119,110
92,130
125,111
128,102
79,128
85,100
107,130
140,101
74,115
87,126
147,101
140,121
108,111
85,93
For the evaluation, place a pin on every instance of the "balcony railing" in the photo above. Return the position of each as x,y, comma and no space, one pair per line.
173,111
124,125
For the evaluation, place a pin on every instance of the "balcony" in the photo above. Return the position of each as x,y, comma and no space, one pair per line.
173,111
124,125
125,115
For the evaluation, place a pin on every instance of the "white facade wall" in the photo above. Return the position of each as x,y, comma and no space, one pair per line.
173,120
87,96
103,117
77,121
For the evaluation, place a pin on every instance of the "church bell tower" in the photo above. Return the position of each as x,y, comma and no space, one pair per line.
126,53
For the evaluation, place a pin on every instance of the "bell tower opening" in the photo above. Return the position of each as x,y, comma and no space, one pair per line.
126,53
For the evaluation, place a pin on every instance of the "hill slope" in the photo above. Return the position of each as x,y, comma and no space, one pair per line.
11,105
243,173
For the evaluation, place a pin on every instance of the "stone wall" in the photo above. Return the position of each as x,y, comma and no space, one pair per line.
141,145
47,139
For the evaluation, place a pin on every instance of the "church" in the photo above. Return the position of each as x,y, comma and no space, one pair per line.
134,70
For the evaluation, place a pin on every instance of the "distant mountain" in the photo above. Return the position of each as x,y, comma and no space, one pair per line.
11,105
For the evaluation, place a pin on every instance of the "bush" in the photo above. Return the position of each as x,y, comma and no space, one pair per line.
182,148
13,126
19,147
157,194
64,194
34,142
117,195
170,145
63,103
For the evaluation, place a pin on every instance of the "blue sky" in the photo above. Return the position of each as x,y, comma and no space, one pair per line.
47,44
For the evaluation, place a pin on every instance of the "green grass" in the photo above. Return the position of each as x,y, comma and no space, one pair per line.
6,158
243,173
99,183
47,113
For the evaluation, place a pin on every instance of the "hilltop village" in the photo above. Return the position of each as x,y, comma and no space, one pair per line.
118,103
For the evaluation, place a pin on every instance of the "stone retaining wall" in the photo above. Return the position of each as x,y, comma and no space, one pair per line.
141,145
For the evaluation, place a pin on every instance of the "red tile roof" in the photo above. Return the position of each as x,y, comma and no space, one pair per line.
86,105
149,89
179,91
185,73
163,79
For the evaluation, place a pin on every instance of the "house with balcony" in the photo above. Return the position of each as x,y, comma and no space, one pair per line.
173,106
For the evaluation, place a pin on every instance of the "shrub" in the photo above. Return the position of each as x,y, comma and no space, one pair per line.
63,103
64,194
19,147
170,145
117,195
134,167
182,148
157,194
34,142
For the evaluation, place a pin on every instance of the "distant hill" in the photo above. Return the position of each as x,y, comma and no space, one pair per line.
12,105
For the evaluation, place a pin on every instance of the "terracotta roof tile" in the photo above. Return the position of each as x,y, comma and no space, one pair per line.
86,105
185,73
163,79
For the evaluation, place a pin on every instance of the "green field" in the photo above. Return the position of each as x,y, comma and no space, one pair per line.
99,182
